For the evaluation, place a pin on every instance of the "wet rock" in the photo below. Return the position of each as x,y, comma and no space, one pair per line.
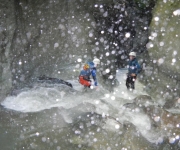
7,28
45,79
160,118
172,104
143,100
140,101
163,48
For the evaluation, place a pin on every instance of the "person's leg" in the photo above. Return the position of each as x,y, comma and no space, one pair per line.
133,83
128,82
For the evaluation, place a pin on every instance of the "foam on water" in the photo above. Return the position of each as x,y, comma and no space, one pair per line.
33,100
40,98
142,123
121,90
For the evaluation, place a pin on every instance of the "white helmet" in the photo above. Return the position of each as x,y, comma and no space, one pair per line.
132,54
96,61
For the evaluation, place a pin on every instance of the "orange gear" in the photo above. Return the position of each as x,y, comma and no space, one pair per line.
84,82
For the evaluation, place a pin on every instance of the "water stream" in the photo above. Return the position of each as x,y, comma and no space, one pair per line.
58,117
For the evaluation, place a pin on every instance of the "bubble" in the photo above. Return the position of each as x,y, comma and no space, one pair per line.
77,66
96,5
154,61
66,45
95,140
107,95
127,35
103,115
157,118
91,87
55,140
97,102
176,12
175,53
56,45
111,77
102,32
149,45
137,110
97,43
161,43
110,30
101,39
117,126
92,122
113,98
101,6
39,12
156,18
113,52
172,140
107,70
79,60
154,34
28,35
161,61
90,34
178,100
37,133
107,53
108,148
105,14
62,27
122,57
177,137
160,140
44,139
173,60
77,132
20,63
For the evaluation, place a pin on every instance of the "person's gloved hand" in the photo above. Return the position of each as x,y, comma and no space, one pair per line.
95,83
133,74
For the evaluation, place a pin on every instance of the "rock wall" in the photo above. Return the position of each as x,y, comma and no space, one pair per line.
7,28
162,72
45,37
55,37
49,38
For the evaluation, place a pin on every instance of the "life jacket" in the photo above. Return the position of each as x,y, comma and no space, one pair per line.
134,67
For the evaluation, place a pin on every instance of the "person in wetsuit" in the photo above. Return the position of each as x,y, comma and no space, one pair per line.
133,70
89,69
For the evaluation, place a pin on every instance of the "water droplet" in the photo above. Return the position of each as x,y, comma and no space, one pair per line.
127,35
156,18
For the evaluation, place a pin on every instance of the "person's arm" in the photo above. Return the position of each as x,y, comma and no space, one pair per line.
94,76
138,68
